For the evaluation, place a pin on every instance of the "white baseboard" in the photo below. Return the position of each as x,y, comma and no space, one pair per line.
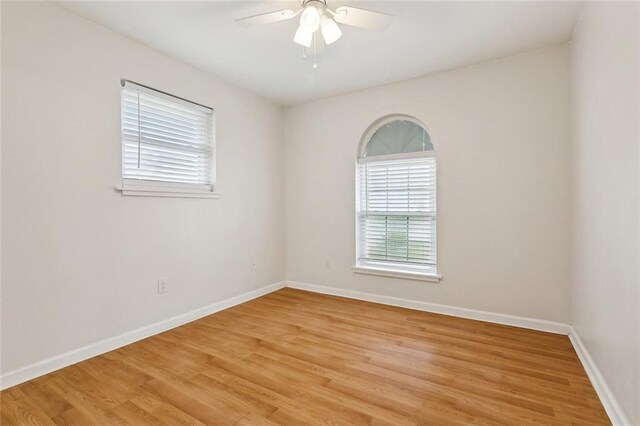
611,406
516,321
46,366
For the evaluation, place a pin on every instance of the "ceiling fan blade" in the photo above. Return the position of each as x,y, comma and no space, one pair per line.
266,18
362,18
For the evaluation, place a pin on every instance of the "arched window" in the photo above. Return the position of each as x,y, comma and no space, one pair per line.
396,206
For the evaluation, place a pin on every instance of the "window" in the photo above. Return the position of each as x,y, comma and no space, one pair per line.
167,144
396,205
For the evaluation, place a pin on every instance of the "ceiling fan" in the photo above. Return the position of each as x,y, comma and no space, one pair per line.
315,14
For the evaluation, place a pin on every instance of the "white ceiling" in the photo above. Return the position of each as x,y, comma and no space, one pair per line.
425,37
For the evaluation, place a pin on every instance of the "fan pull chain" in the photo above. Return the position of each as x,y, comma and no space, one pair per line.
315,64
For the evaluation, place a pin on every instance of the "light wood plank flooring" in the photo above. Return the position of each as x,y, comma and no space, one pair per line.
298,358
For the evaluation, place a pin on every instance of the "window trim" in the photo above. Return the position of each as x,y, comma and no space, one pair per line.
132,187
381,268
362,268
149,188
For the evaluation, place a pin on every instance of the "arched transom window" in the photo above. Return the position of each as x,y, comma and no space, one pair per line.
396,206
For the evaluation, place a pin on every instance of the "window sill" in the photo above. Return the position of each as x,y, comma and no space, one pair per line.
396,274
160,191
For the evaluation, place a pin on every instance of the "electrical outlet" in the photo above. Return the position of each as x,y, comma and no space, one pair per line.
163,285
254,265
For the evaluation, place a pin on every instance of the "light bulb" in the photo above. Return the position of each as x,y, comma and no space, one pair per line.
310,18
330,30
303,36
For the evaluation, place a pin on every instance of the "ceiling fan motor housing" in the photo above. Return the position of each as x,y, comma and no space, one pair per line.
304,3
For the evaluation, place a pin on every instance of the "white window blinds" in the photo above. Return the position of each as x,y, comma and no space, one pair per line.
165,139
397,213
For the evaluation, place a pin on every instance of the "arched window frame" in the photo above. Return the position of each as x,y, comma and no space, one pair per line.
395,268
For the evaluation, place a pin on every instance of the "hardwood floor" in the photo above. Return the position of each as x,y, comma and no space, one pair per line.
297,358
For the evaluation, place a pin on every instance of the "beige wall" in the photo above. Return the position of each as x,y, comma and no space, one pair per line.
80,261
605,295
501,134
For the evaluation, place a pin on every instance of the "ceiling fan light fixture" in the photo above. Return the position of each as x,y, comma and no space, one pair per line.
330,30
316,15
310,18
303,36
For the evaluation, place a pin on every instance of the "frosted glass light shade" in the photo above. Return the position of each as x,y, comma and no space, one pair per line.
330,30
310,18
303,36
